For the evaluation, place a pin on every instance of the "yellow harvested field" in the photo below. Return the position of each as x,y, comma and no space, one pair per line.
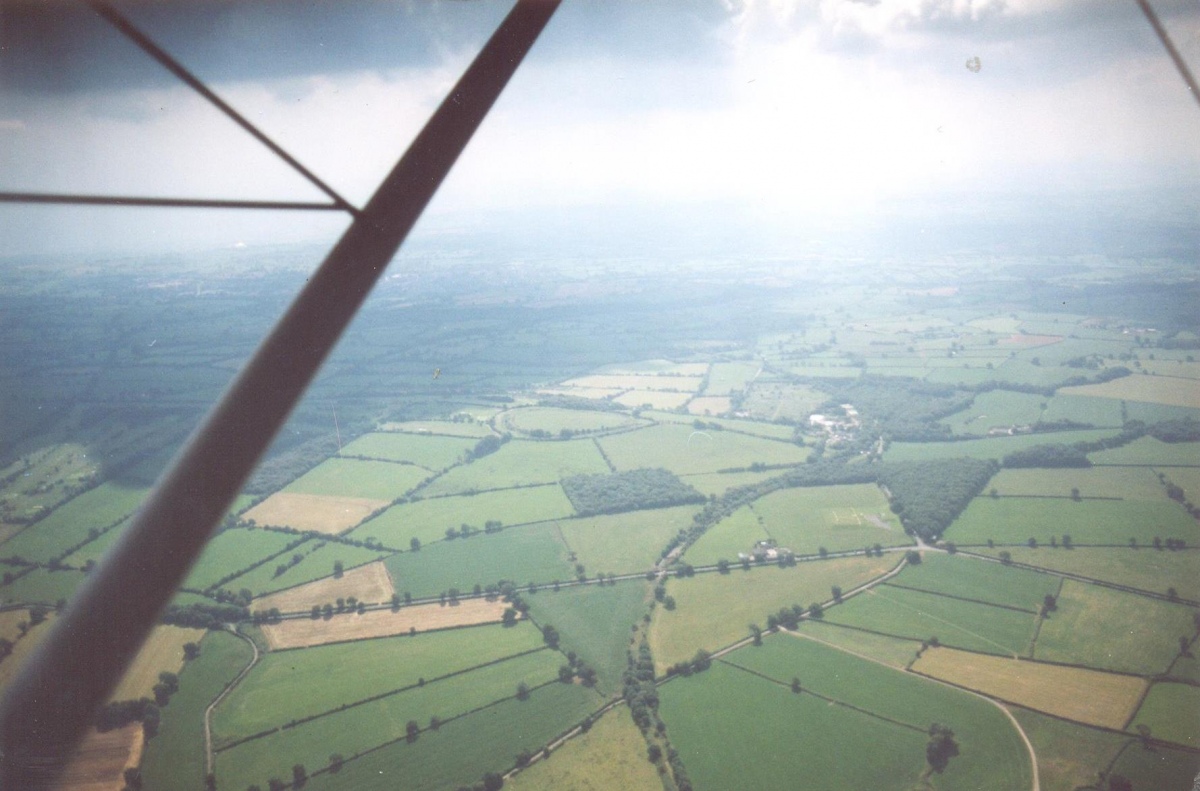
1089,696
302,632
1169,390
10,621
709,405
369,583
101,760
656,400
688,384
162,652
319,512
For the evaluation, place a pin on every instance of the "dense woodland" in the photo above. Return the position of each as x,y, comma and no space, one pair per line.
628,491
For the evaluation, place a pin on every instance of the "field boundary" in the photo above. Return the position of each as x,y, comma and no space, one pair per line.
1012,607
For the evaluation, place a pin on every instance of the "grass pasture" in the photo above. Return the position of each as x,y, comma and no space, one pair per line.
1102,412
460,752
174,758
1160,769
594,622
612,754
891,651
709,405
1109,629
990,447
720,482
835,517
521,555
1069,756
321,512
720,721
380,721
714,610
919,616
1172,712
727,378
368,583
430,452
987,740
41,586
162,652
654,399
683,450
304,632
318,561
738,532
1088,696
617,543
427,520
555,420
1145,568
1169,390
774,400
521,463
371,480
23,648
1012,520
996,409
440,427
1148,451
289,685
970,578
678,384
756,427
232,550
1129,483
72,522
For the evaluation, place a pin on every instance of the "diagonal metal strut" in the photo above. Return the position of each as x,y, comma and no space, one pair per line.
114,17
53,700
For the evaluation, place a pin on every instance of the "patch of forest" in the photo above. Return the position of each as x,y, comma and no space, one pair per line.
628,491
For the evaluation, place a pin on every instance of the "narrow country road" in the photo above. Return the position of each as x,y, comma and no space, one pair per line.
208,751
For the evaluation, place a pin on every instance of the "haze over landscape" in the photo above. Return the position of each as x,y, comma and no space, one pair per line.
774,395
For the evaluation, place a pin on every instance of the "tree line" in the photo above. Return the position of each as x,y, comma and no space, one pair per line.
634,490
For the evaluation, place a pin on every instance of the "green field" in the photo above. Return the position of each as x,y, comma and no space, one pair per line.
71,522
1100,412
521,555
989,448
289,685
971,578
175,757
427,520
714,610
375,480
1153,413
1159,769
996,409
726,378
1149,451
683,450
375,723
755,427
987,741
1069,756
610,755
433,453
736,533
1145,568
1012,520
319,557
462,751
717,483
235,549
1130,483
41,586
520,463
1111,630
594,622
1172,712
904,613
891,651
435,427
834,517
555,420
626,542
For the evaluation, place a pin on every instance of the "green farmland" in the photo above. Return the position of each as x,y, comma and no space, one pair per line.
1172,712
990,448
521,463
968,578
375,480
627,542
683,450
1011,520
432,453
834,517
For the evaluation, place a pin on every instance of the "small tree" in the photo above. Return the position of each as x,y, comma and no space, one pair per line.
492,782
815,610
434,723
796,685
654,753
299,776
275,784
522,691
1005,557
411,731
335,762
913,557
191,650
940,748
338,568
837,593
510,617
669,602
415,544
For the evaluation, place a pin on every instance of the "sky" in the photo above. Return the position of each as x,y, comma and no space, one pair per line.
654,122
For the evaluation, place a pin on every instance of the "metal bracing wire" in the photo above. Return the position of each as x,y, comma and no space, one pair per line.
54,698
1180,64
